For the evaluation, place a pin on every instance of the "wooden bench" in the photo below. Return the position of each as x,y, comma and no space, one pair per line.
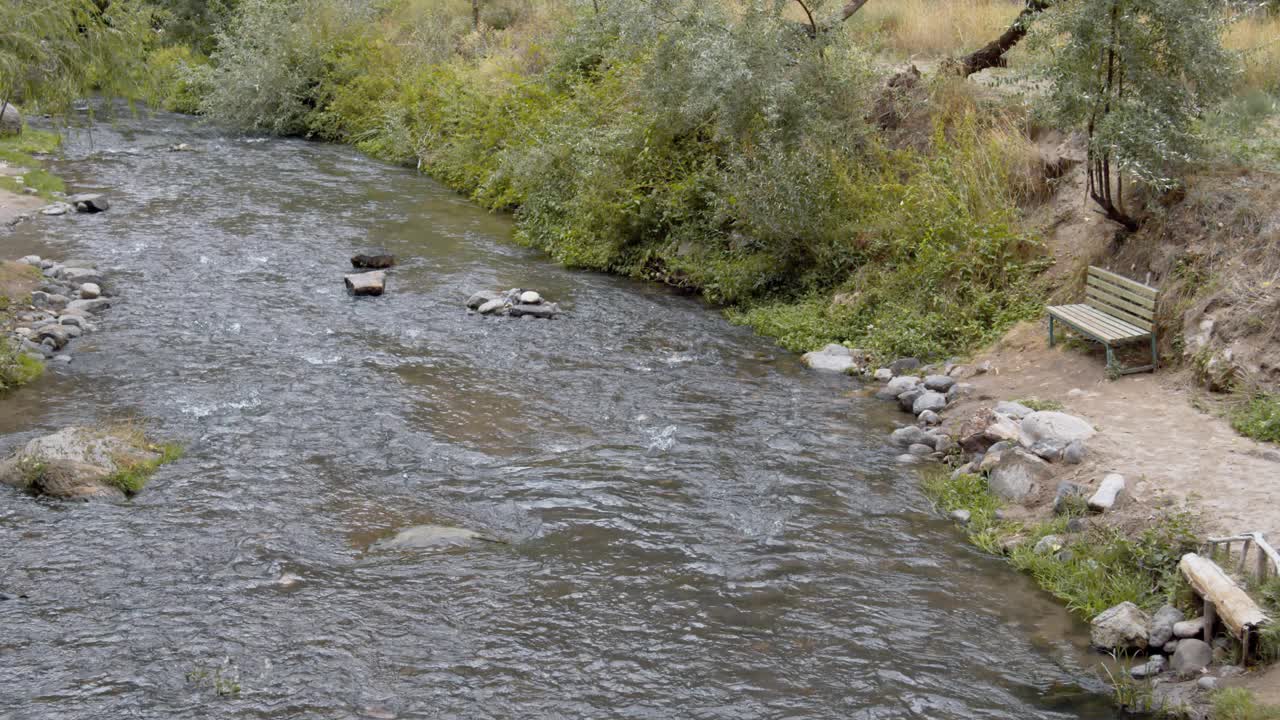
1116,310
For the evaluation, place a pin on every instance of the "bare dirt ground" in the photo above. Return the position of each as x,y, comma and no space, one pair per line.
1171,453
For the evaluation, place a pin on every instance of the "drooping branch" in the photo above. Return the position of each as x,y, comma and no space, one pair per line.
992,54
813,25
849,9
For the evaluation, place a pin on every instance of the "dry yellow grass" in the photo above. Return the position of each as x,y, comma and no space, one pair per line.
1257,35
934,28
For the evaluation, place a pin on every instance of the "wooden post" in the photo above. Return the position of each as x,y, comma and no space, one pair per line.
1244,557
1210,618
1263,564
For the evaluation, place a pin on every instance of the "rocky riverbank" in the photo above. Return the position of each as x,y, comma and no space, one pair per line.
66,306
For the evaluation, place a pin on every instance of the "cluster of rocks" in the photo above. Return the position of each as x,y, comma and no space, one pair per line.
61,310
82,202
1168,640
374,280
512,303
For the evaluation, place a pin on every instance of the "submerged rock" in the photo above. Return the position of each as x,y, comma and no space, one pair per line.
370,283
433,536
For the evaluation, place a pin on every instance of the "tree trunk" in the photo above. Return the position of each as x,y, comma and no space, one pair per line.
992,54
475,14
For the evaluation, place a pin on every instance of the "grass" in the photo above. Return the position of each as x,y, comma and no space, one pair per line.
16,367
132,477
933,28
1037,404
1240,704
1258,418
1257,36
17,152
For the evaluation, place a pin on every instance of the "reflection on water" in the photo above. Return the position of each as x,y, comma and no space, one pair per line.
697,528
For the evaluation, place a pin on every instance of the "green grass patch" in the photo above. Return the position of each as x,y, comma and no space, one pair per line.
30,142
131,478
1037,404
17,152
16,367
1240,704
1258,418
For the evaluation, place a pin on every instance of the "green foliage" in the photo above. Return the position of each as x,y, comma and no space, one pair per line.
1240,704
132,477
16,367
1258,418
16,150
179,77
1038,404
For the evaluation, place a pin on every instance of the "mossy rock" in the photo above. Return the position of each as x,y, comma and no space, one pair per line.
82,463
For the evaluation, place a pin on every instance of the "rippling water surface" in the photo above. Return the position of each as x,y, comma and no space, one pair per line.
697,527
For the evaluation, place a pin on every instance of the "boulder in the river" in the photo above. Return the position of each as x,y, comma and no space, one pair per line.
530,297
432,536
883,375
476,300
492,306
901,384
834,358
89,202
1017,474
907,400
909,435
545,311
54,335
929,417
1122,627
10,119
373,260
370,283
81,462
1152,667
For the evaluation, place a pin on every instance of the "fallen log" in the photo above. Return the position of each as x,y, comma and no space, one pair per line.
1224,599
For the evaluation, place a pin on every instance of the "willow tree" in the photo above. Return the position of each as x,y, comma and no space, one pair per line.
53,52
1134,75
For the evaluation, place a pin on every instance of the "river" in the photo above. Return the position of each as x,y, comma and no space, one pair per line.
697,526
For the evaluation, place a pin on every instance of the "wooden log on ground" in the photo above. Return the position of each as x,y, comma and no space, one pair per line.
1230,602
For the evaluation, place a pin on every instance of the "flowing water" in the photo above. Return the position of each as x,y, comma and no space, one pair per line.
696,526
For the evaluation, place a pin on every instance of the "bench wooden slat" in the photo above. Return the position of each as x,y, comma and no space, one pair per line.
1108,294
1113,308
1132,286
1102,285
1093,321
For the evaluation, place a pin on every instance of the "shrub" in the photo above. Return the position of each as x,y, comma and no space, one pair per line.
1258,418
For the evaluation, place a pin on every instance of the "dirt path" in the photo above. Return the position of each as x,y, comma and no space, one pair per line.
1167,450
14,205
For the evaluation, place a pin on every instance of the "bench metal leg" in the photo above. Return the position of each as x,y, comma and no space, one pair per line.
1111,359
1155,354
1050,331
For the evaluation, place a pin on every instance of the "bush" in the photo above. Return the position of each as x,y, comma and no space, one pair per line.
1258,418
179,77
16,367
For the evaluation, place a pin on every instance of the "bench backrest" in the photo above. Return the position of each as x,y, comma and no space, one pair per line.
1121,297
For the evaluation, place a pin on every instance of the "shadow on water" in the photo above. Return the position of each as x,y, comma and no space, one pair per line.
697,527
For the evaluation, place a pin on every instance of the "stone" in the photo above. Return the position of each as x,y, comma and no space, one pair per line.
962,372
1048,544
30,260
1056,426
475,301
1189,628
1047,450
63,358
909,435
1003,429
1077,525
10,119
883,375
1074,453
1122,627
40,298
89,291
1170,647
57,208
545,311
989,460
920,449
24,332
432,536
96,305
959,390
961,516
1192,657
78,275
1015,410
929,400
1062,499
1109,492
938,383
1017,474
492,306
89,202
73,331
1161,629
973,437
531,297
907,459
907,400
1152,667
885,394
74,463
373,260
902,365
832,358
929,417
56,336
902,383
1207,682
370,283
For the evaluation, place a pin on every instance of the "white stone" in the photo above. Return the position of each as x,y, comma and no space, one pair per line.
883,375
1056,427
370,283
1189,628
31,260
1108,493
529,297
89,291
832,358
492,306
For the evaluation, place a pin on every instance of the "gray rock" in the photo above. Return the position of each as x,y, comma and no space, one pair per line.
1207,682
373,282
89,291
883,375
962,470
23,332
78,275
37,349
902,383
1189,628
96,305
1152,667
1049,544
1122,627
10,120
920,449
1170,647
30,260
1192,657
1161,628
902,365
1047,450
475,301
72,331
89,202
492,306
373,260
1077,525
1074,453
910,435
1055,426
939,383
63,358
929,400
1015,410
531,297
40,298
907,399
959,390
943,443
55,336
832,358
1109,491
1003,428
1066,491
1018,474
75,462
57,208
929,417
961,516
432,536
545,311
907,459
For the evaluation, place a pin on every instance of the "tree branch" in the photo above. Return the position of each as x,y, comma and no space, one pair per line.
992,54
813,26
